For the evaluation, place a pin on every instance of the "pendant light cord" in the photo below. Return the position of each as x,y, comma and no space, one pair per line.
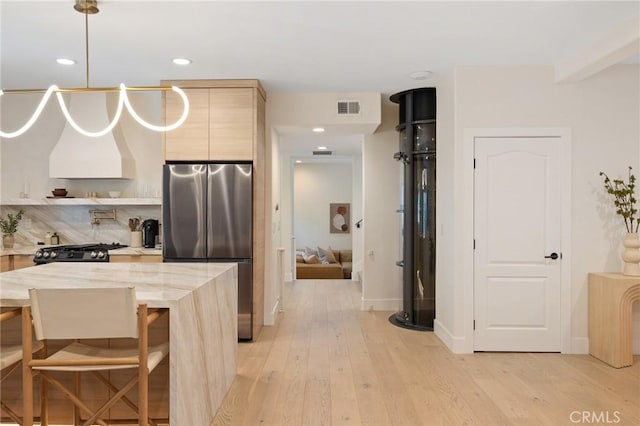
86,43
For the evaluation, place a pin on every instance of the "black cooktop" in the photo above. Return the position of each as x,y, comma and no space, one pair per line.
96,252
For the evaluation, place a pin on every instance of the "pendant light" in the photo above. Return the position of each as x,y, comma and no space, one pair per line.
90,7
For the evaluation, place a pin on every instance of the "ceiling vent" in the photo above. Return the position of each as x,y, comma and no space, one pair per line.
323,152
348,107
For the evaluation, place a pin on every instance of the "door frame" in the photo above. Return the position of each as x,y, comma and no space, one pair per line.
563,135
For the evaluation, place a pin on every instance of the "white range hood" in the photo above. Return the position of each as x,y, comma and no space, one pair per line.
76,156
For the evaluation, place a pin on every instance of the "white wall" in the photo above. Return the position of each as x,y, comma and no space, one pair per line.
602,113
357,213
382,279
446,268
316,185
306,110
273,208
25,159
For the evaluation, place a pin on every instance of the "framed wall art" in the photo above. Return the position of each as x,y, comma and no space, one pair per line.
339,218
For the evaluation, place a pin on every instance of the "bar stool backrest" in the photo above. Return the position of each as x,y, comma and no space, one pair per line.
84,313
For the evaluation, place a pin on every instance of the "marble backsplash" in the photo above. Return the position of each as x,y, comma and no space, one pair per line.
73,223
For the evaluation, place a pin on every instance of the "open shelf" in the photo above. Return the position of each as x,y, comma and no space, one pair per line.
81,201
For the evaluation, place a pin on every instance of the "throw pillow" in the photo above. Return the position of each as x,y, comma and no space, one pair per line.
327,255
309,251
322,257
311,259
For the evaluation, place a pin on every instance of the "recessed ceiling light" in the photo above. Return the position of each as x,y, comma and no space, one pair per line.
181,61
298,161
322,148
318,129
65,61
420,75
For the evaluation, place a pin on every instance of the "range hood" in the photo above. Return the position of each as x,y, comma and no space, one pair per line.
76,156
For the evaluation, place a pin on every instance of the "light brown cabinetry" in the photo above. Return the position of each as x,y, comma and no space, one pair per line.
4,264
15,261
231,124
222,121
226,123
191,140
135,258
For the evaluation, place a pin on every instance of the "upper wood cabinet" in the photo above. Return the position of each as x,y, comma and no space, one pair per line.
231,124
222,122
191,140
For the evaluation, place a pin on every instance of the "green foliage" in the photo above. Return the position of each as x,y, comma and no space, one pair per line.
10,224
624,199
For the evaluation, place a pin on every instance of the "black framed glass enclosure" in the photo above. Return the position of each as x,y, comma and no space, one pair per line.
417,143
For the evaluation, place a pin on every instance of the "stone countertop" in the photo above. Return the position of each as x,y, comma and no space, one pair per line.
157,284
126,251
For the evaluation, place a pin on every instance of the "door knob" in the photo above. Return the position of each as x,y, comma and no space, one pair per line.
553,256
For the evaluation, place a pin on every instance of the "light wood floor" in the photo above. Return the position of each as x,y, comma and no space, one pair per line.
327,363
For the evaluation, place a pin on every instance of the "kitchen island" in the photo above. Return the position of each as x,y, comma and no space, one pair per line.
202,302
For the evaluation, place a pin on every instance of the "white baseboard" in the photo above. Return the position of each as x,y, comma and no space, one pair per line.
270,317
288,277
579,345
380,304
457,345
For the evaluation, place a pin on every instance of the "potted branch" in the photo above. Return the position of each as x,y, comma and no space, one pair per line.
624,200
9,226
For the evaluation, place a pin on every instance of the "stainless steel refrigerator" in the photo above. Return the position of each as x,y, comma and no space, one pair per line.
206,212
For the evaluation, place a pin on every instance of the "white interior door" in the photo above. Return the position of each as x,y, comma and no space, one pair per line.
517,220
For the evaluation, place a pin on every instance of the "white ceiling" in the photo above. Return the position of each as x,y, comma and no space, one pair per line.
294,46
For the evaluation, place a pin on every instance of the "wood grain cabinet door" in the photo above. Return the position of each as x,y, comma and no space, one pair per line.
123,258
23,261
15,261
191,140
231,124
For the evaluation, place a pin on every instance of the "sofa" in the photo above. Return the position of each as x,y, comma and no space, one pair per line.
337,267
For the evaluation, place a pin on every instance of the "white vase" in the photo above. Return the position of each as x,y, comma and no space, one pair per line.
136,239
631,254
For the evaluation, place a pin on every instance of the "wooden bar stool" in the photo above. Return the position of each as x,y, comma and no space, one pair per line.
88,314
11,359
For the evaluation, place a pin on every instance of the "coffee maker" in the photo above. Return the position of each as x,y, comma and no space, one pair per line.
150,229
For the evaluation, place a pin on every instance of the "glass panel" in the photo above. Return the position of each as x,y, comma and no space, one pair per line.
424,247
425,139
403,144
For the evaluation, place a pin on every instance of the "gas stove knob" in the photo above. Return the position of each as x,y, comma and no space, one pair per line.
39,254
46,255
94,254
54,254
101,255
